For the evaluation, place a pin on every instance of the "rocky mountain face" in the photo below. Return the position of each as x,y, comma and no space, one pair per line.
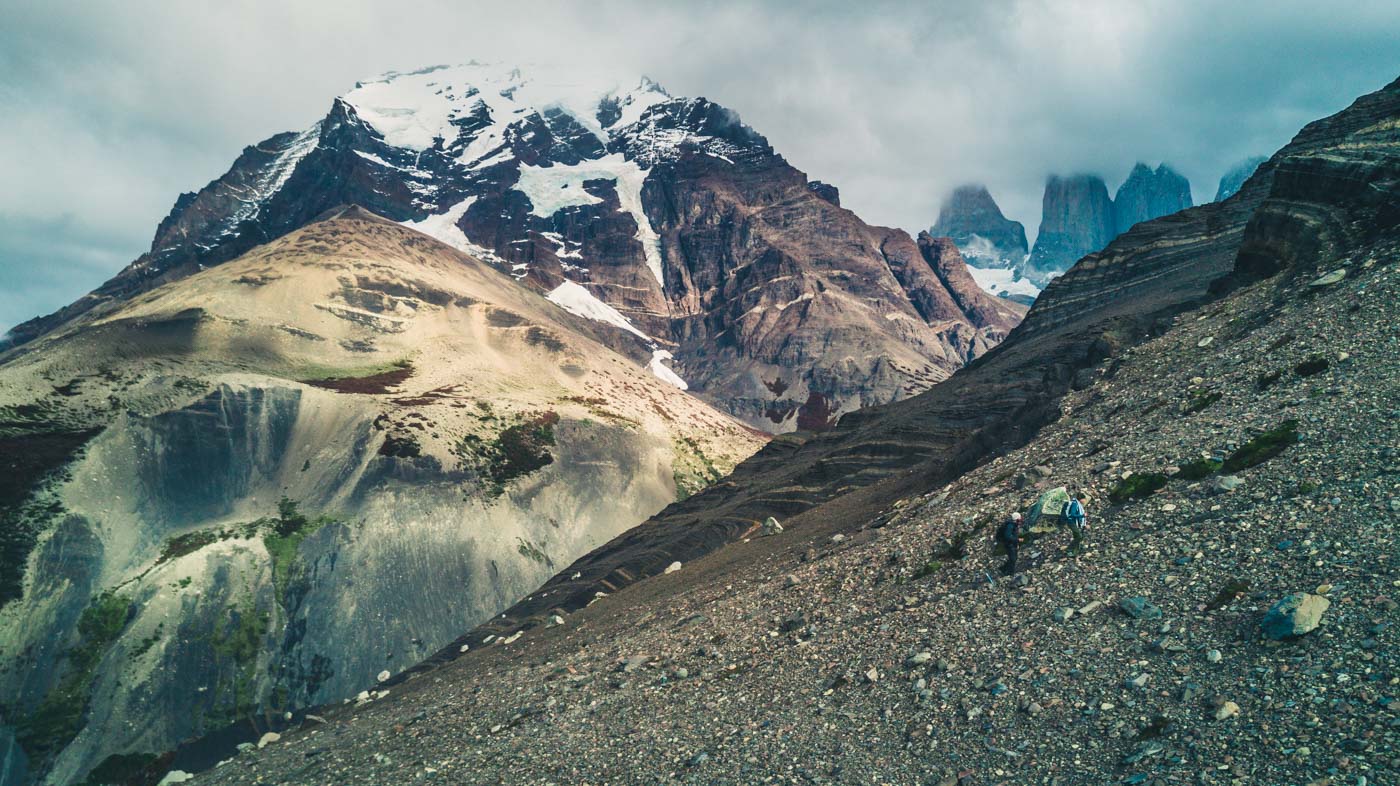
985,237
1187,377
1233,180
260,486
1077,218
724,264
1149,193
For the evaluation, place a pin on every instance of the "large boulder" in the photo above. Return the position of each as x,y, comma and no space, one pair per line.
1044,515
1295,615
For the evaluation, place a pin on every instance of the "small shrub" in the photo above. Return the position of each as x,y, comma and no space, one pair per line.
927,569
1199,469
1202,400
1228,593
1137,486
1315,364
1263,447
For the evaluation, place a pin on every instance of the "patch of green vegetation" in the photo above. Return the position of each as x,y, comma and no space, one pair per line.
32,466
927,569
1268,379
182,583
533,552
692,470
1199,469
59,717
1263,447
1202,400
517,450
187,543
288,530
1228,593
122,768
241,639
1137,486
150,641
1306,487
238,643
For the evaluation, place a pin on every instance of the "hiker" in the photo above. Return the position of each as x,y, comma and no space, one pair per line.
1009,535
1073,517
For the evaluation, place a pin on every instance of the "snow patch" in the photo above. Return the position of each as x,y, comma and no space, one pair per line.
662,372
576,299
444,227
999,280
554,188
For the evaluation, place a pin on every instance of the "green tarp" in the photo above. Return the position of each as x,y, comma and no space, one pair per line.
1047,507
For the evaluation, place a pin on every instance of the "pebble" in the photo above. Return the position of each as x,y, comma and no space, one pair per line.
1213,656
268,738
1228,709
672,568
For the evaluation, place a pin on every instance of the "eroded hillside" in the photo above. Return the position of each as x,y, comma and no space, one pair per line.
260,487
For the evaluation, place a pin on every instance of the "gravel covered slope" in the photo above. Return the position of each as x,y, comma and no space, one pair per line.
865,643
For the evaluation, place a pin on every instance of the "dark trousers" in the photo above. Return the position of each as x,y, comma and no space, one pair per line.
1010,567
1076,534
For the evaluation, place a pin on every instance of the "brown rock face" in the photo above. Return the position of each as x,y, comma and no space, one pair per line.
1331,189
670,211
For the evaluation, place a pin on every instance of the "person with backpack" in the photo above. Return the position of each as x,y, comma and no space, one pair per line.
1009,536
1073,516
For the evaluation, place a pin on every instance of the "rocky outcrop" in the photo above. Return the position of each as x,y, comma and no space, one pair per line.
441,441
985,237
773,302
1077,218
1149,194
1233,180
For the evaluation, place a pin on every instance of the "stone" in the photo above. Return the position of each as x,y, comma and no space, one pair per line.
631,664
1227,709
1294,615
837,538
175,776
1063,614
1089,608
873,675
1205,342
791,580
672,568
920,658
1224,484
268,738
1140,608
1140,681
770,526
1335,277
383,675
1213,656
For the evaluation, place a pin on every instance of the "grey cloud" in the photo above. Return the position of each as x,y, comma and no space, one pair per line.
112,109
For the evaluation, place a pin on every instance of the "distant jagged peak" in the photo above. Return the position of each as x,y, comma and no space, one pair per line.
1234,178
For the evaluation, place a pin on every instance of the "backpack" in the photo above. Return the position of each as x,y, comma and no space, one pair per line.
1072,511
1006,533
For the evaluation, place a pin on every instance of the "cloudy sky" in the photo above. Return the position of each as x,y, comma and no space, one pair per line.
112,109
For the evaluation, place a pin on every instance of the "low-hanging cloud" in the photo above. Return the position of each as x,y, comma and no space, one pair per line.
113,109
